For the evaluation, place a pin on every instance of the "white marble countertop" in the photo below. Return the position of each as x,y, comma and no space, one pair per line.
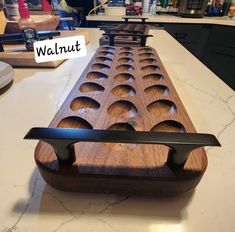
28,204
164,18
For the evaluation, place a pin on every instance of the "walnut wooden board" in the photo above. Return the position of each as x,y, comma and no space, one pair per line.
18,56
133,27
122,88
127,28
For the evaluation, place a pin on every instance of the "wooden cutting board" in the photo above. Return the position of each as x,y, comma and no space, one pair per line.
18,56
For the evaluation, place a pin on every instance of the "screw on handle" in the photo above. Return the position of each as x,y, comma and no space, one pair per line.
142,37
127,18
181,144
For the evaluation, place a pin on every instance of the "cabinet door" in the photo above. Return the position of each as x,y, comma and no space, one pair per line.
192,36
221,61
184,32
222,36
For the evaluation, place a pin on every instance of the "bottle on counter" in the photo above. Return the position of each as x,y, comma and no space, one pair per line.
27,26
25,21
146,6
154,8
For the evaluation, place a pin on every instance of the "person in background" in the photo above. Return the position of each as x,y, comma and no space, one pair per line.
77,9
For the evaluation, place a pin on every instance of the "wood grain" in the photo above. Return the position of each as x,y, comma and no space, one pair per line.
134,95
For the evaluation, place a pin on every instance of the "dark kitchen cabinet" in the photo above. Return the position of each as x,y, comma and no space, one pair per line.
192,36
214,45
219,54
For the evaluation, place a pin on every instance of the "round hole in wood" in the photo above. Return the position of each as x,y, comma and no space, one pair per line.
121,146
169,126
74,122
122,108
90,87
162,107
153,77
123,91
126,49
150,68
100,66
106,54
146,49
108,49
84,104
124,77
103,59
125,60
126,54
157,90
125,68
146,55
148,61
96,75
122,126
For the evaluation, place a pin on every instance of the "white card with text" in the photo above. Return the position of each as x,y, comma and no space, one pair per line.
60,49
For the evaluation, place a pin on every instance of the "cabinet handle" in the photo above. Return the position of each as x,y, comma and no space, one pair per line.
181,144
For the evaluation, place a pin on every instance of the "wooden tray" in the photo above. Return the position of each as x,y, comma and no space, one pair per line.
126,30
122,88
17,56
133,27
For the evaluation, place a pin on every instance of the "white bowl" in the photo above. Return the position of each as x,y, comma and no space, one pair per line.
6,74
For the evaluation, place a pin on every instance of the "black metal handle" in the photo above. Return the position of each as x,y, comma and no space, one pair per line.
124,31
127,18
181,144
142,37
19,37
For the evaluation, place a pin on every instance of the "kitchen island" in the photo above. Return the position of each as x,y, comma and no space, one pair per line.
29,204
